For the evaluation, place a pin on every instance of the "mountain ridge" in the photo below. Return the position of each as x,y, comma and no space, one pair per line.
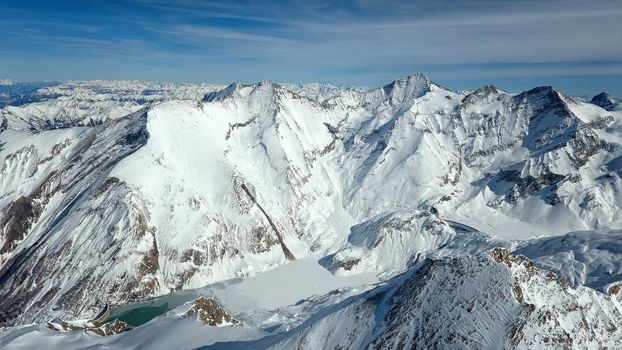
120,193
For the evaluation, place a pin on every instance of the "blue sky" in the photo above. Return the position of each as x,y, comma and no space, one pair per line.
575,46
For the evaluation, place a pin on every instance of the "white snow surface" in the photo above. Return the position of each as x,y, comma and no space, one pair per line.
310,194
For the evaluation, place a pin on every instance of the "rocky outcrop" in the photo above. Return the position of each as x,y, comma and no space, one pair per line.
491,300
110,328
210,312
604,100
71,178
16,221
288,254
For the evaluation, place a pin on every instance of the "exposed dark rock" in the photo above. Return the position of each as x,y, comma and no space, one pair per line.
288,254
348,265
111,328
262,240
614,290
210,312
233,126
603,100
17,220
524,187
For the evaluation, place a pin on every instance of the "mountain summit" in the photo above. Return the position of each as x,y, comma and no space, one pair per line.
604,100
407,88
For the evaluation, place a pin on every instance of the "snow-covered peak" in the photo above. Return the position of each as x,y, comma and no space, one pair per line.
207,183
407,88
318,91
604,100
485,94
542,97
486,90
240,90
224,93
544,91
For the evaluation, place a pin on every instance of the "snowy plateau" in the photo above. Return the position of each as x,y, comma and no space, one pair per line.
285,216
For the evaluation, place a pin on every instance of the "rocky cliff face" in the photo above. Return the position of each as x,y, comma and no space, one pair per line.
605,101
492,300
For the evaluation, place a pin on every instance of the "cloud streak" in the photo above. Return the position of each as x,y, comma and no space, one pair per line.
358,42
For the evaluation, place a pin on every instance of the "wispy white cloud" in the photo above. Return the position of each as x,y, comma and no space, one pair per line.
355,41
470,35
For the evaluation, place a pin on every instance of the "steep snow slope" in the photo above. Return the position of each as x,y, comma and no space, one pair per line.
104,199
66,225
584,257
487,301
481,302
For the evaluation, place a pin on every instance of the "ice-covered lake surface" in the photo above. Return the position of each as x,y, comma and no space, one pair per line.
262,299
282,286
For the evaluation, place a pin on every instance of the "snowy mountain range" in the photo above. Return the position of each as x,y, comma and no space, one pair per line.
314,216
